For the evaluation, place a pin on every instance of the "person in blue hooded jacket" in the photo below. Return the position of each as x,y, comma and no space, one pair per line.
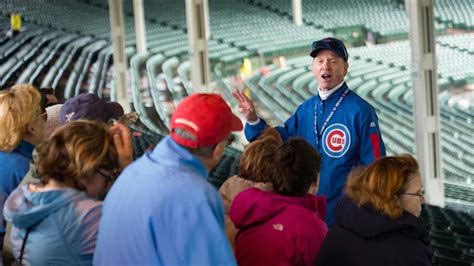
22,123
55,221
341,125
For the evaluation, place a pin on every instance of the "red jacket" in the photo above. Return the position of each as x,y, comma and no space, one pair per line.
277,230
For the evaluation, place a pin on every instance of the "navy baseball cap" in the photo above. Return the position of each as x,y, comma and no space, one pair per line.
332,44
90,107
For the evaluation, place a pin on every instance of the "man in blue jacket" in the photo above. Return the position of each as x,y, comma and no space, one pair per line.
341,125
161,210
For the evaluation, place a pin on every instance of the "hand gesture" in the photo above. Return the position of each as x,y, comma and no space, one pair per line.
246,107
123,144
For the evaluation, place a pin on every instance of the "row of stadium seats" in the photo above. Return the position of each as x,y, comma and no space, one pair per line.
384,18
236,23
91,20
451,235
381,17
72,64
455,13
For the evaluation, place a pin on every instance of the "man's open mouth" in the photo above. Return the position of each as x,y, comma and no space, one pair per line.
326,76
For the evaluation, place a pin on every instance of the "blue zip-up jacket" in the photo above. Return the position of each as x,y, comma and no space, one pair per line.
13,167
351,138
162,211
63,225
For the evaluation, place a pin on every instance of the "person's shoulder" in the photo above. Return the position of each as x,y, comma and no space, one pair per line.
304,217
413,251
190,189
311,100
13,164
86,208
235,184
87,204
13,157
356,98
202,188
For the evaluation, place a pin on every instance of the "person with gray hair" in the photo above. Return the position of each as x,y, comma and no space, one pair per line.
161,210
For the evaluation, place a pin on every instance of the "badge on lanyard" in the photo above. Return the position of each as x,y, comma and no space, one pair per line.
334,109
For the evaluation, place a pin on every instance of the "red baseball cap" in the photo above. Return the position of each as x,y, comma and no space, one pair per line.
207,116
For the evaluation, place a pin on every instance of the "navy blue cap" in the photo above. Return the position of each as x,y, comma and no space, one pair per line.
90,107
332,44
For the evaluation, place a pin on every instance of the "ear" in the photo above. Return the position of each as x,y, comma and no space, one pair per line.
218,151
30,130
346,68
313,189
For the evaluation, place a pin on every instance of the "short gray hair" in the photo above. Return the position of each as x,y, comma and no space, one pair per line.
201,151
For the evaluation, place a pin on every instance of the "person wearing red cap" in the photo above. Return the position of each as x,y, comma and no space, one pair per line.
161,210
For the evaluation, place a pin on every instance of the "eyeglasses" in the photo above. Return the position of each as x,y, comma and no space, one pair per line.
108,177
331,44
420,194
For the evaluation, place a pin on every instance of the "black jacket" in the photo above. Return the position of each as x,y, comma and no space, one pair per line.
364,236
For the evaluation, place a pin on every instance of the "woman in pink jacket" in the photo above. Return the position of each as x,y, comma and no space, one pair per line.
283,227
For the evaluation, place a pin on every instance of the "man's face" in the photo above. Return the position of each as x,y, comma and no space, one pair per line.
329,69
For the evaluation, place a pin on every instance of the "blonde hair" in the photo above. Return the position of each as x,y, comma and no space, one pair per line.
381,183
76,151
19,107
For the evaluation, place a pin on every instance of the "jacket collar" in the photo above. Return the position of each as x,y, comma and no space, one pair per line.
337,93
25,149
29,208
168,152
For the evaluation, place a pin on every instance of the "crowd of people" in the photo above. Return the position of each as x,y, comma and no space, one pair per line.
317,190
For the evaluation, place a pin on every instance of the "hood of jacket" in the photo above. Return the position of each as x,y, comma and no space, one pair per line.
25,208
368,222
254,206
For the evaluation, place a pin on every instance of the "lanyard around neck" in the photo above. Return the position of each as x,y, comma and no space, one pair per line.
318,135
